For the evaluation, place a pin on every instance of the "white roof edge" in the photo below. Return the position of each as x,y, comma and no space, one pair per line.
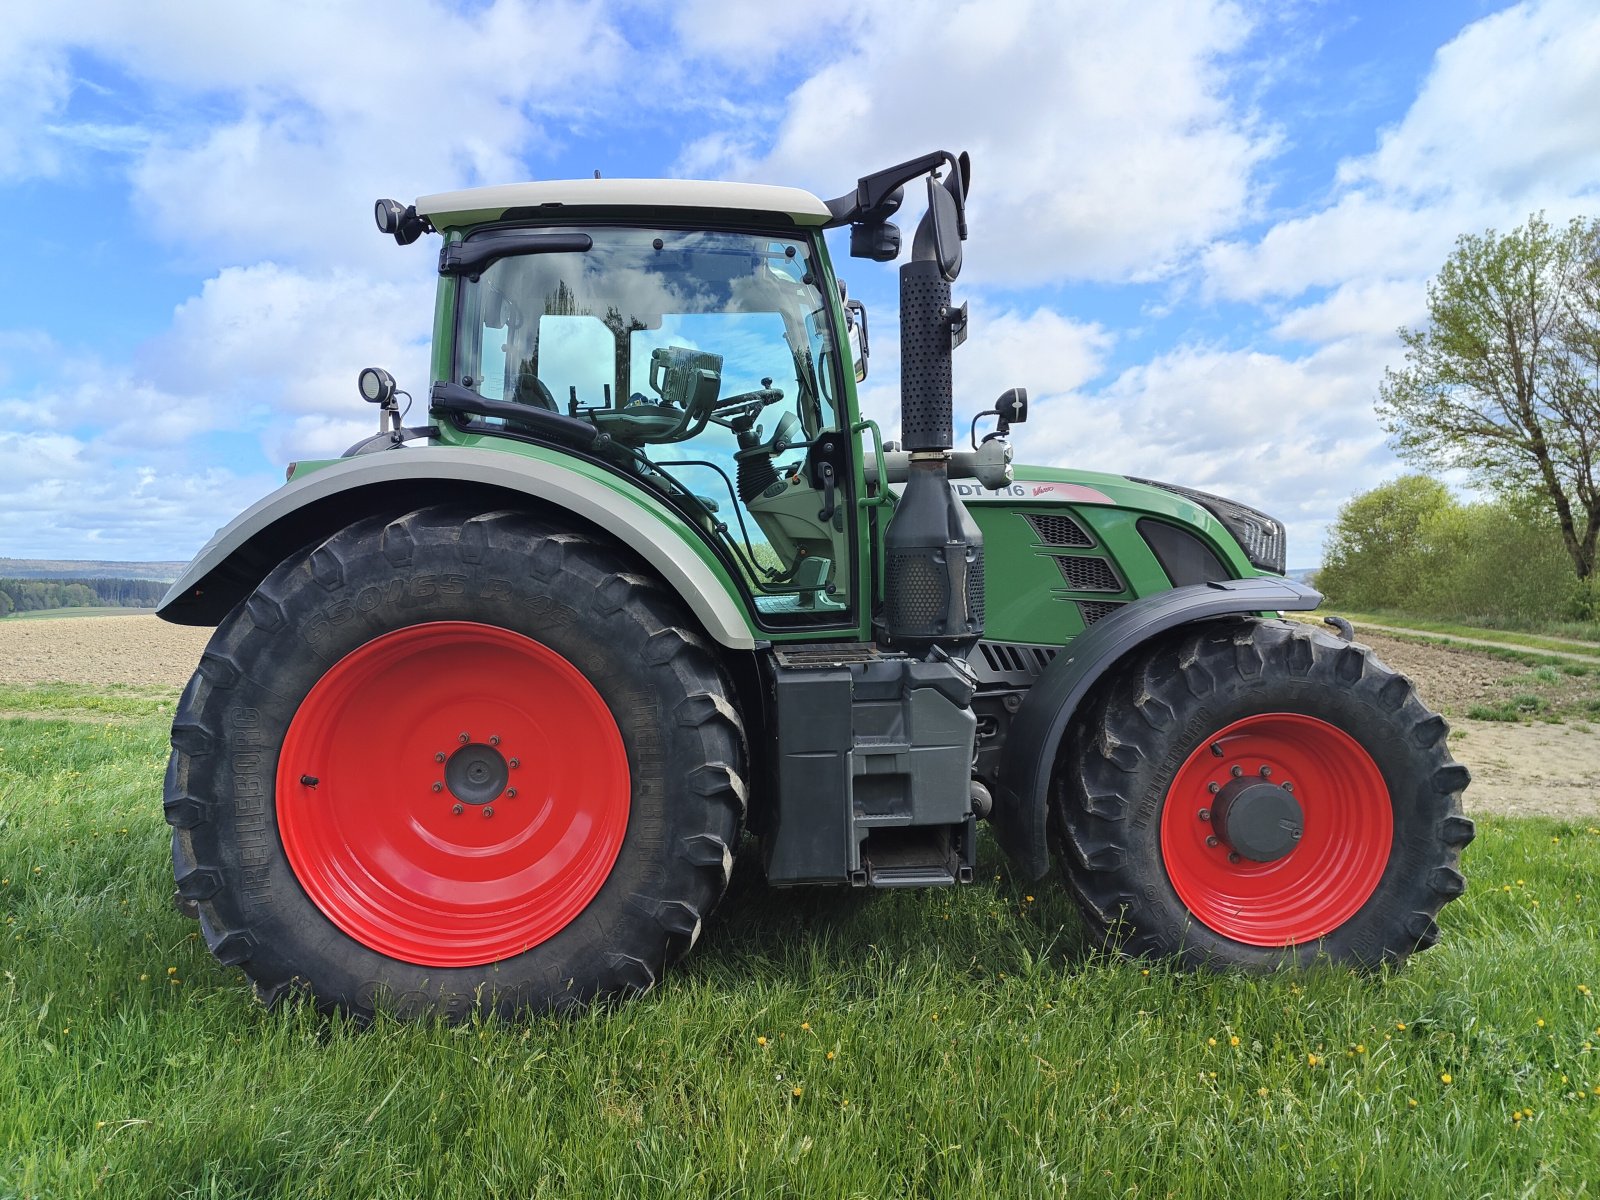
486,204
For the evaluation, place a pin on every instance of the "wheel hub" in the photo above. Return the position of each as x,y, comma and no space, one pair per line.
476,773
406,735
1276,829
1258,820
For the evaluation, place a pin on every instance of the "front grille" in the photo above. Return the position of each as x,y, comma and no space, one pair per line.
975,589
1054,529
1088,574
1092,610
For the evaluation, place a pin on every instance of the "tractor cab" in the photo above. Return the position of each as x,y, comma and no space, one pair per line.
698,354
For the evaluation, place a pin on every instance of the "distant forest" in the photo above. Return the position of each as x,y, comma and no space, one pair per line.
32,595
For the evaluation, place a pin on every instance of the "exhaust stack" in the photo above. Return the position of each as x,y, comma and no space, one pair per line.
933,579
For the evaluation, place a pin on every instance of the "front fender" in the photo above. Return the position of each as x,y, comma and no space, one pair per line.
319,504
1022,798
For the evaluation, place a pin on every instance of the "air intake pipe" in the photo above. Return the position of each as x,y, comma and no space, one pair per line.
933,550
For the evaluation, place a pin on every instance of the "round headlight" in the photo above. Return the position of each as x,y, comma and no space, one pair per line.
388,214
376,384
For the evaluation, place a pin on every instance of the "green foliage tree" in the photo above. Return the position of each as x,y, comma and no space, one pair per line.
1410,545
1377,547
1505,378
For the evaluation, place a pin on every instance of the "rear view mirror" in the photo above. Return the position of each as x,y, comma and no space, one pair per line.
855,321
945,220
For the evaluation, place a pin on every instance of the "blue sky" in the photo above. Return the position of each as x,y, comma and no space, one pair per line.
1195,225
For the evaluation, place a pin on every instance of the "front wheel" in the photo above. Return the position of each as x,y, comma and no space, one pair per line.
1256,792
452,762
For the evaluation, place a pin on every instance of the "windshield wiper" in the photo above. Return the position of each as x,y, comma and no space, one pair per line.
473,255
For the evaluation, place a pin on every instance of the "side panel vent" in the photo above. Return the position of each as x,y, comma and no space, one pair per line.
1088,574
1054,529
1011,663
1093,610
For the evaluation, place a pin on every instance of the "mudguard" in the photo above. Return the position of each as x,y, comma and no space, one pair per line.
241,554
1022,799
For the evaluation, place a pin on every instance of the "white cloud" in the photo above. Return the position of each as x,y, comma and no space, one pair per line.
1508,108
272,128
1104,141
63,492
1503,125
1364,308
1293,437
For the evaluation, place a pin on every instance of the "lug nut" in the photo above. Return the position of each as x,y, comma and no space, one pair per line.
1288,787
1236,770
514,763
488,810
511,793
494,739
1204,814
1233,858
438,756
1213,788
1211,841
463,737
457,809
438,787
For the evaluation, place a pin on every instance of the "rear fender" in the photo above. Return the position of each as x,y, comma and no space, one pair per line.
1022,798
319,504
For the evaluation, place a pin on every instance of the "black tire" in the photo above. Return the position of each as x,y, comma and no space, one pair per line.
626,636
1148,728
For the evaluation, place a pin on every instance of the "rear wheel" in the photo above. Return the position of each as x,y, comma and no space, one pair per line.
455,761
1257,791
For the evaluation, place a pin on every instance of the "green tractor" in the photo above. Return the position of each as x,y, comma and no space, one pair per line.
494,699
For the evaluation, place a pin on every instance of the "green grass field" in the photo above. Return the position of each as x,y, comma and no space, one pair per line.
51,614
817,1043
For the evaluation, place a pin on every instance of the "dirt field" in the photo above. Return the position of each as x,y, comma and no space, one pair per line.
1518,769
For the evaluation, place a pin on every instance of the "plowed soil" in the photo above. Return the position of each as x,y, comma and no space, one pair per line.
1518,769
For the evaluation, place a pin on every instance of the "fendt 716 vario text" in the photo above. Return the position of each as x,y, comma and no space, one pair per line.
494,700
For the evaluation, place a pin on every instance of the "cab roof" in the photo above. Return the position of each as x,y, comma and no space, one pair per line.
475,206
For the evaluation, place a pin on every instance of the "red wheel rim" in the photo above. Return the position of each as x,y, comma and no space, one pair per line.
1332,869
452,794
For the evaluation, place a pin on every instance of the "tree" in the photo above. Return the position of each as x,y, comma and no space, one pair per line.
1505,379
1409,545
1377,549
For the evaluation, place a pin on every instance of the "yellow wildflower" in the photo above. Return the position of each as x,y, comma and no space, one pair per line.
1411,1103
761,1041
1445,1077
1211,1041
798,1092
1234,1040
1312,1060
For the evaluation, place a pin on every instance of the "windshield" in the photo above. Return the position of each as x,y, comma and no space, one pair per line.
708,358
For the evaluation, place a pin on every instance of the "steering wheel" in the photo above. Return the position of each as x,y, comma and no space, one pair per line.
745,404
